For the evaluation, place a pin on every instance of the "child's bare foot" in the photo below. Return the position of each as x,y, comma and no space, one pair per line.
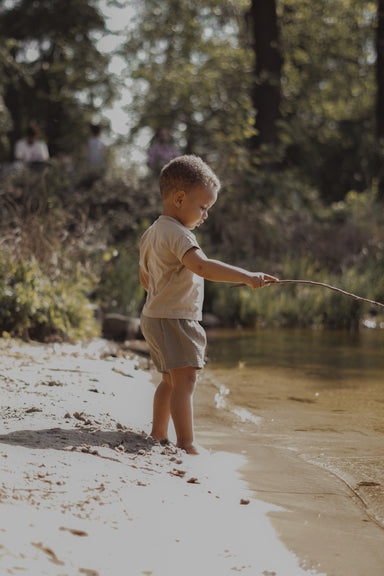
192,449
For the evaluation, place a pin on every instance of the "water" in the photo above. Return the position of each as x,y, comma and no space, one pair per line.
318,394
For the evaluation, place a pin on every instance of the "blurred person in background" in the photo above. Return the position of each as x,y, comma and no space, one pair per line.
96,152
32,151
161,151
92,157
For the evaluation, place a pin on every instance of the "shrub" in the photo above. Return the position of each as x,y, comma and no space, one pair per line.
32,305
119,288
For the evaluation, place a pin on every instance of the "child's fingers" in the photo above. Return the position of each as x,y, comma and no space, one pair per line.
269,279
260,280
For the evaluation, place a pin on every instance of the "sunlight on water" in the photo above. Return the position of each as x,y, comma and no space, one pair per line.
220,397
245,415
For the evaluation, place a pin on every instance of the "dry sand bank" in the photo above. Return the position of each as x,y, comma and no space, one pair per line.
84,491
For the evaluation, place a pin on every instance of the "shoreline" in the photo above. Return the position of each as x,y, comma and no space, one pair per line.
318,517
324,512
84,491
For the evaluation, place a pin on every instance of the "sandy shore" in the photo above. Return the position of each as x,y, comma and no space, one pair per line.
84,491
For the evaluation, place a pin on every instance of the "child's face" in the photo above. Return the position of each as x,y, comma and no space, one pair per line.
194,206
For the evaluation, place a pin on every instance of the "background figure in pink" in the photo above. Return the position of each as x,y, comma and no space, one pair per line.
161,150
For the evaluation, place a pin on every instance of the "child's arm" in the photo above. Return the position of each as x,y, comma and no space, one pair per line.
196,261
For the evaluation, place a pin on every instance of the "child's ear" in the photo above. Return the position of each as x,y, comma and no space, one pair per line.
179,198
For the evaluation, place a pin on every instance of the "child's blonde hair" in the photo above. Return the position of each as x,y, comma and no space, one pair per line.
186,172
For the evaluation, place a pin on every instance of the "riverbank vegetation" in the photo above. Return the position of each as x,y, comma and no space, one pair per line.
64,262
291,121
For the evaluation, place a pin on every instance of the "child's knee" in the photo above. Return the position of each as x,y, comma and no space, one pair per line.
190,375
185,378
189,386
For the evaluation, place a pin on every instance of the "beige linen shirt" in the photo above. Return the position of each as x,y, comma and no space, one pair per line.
174,291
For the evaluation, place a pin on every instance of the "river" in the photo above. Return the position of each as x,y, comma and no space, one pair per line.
318,394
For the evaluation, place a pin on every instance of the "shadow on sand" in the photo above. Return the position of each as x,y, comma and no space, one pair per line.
60,439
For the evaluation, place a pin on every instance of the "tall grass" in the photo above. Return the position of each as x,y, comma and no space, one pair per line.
45,278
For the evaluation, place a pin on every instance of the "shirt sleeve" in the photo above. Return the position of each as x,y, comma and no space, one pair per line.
180,242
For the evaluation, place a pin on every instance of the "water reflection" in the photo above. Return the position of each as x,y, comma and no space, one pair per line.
321,352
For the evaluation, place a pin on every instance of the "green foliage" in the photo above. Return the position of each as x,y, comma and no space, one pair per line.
190,66
329,92
53,74
340,245
119,288
66,251
33,305
193,70
5,119
191,75
296,304
57,264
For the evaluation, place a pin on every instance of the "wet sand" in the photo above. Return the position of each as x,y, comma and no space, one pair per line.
84,491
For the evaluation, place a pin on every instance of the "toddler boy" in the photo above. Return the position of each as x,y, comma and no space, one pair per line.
172,271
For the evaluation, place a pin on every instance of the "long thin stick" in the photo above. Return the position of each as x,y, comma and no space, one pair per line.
270,283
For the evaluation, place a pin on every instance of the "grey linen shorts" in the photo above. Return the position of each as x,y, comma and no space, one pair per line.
174,343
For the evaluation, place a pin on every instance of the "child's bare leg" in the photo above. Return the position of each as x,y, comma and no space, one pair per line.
161,408
183,386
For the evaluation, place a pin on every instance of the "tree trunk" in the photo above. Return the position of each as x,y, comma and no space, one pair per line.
380,94
266,92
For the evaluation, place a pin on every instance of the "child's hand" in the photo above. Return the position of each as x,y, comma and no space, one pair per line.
259,279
